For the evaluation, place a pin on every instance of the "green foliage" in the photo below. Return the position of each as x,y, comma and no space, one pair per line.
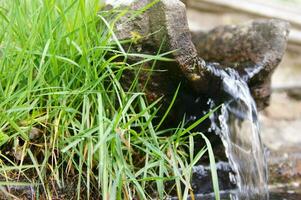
3,138
60,82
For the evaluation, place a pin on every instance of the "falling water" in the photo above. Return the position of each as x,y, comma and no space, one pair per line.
237,124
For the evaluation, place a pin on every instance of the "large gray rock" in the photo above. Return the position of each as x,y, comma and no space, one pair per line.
255,49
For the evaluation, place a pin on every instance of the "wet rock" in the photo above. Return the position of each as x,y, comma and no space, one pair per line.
202,181
254,49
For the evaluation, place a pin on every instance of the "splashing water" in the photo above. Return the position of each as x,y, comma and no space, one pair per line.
237,124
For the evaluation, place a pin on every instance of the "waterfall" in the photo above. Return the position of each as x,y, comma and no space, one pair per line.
237,125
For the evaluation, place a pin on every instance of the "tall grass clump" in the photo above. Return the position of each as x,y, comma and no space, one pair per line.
68,129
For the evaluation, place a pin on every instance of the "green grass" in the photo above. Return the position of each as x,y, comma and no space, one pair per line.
65,116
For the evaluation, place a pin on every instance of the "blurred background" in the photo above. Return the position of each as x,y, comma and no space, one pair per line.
281,121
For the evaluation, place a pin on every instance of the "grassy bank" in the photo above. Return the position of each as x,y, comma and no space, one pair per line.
67,127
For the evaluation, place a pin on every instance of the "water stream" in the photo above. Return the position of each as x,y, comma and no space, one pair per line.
237,125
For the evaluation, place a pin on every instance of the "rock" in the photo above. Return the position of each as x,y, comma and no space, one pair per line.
254,49
201,180
163,28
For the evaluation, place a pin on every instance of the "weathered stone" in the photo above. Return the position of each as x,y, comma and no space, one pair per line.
254,49
162,27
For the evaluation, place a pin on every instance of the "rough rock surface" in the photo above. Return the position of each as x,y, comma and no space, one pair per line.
254,49
163,28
